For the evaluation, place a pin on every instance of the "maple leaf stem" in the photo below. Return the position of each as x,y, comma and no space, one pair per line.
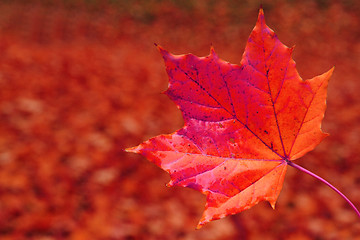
326,182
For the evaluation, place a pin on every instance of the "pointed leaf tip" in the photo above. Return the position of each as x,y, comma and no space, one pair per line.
261,10
198,226
162,51
212,52
326,76
158,47
272,204
132,150
261,17
292,48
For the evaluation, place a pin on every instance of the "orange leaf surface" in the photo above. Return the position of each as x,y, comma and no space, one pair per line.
243,123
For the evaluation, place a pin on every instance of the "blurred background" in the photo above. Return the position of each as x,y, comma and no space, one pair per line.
81,80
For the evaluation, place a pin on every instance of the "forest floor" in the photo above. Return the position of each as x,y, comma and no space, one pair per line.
81,81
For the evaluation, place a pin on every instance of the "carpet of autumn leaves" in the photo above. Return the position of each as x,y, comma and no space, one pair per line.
81,80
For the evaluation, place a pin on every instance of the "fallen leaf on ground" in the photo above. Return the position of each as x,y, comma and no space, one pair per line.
243,123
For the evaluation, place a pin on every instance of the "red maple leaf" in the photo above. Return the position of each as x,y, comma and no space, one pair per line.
244,124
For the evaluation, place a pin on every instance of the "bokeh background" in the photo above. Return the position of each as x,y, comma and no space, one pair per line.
81,80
